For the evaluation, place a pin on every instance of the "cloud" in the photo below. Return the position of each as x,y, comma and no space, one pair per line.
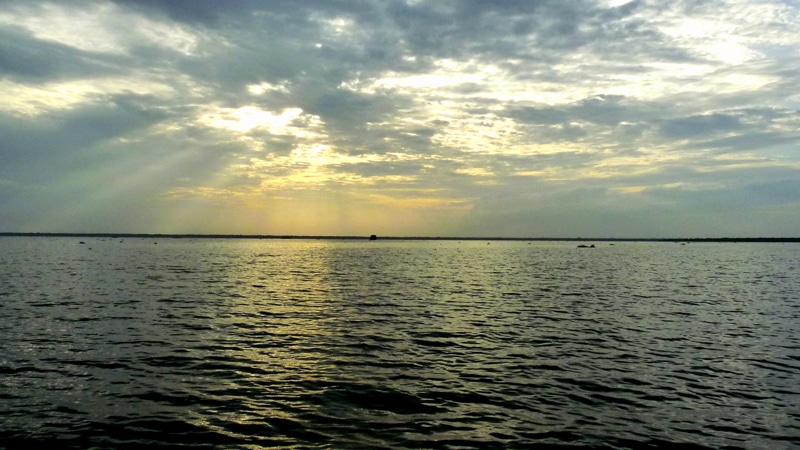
372,170
189,11
689,127
25,59
511,117
64,140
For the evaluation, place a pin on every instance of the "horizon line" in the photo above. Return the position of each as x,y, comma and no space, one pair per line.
409,238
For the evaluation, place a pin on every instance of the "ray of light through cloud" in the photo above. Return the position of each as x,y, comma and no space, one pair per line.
607,118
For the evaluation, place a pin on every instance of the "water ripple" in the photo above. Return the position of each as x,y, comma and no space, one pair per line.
336,344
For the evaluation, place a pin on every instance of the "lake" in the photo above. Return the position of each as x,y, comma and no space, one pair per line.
247,343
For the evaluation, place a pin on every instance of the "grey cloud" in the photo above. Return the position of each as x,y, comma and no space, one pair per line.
527,208
528,31
526,163
547,115
380,169
753,140
554,41
689,127
348,108
192,11
60,141
728,203
348,116
767,114
281,145
748,189
26,59
745,129
780,191
445,29
215,13
606,110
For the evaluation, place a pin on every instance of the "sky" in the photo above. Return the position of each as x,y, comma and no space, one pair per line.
506,118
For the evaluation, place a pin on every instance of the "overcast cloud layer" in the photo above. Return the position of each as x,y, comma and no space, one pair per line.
641,118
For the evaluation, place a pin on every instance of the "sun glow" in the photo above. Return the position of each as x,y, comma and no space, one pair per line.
262,88
289,121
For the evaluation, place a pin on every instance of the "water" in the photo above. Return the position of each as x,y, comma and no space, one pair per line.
398,344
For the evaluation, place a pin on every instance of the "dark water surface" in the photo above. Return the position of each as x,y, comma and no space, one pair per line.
415,344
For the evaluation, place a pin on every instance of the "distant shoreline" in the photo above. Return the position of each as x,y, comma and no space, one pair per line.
396,238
